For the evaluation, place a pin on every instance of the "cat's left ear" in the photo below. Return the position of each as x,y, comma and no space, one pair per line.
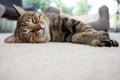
19,10
10,39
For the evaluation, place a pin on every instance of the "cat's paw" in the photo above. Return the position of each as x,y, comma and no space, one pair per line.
111,43
107,43
105,39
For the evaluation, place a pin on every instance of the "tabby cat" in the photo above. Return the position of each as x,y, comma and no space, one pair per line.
34,27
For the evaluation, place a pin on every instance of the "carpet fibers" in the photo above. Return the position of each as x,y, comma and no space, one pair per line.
59,61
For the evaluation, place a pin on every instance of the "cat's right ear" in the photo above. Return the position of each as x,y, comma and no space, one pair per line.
19,10
10,39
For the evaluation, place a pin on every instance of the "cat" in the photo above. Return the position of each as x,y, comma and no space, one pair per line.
34,27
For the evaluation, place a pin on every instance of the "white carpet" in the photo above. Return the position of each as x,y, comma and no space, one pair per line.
58,61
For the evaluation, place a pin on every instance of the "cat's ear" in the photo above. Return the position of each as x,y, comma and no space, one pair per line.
10,39
19,10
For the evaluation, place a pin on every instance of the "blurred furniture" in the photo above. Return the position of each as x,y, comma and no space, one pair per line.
102,24
52,10
99,22
10,12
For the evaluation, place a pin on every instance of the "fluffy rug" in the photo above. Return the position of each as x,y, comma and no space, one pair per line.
59,61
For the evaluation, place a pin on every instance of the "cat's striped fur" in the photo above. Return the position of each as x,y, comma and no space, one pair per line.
44,27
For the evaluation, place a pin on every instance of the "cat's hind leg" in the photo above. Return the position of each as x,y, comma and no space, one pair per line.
94,39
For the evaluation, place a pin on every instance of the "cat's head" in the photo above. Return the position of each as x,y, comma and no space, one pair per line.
30,28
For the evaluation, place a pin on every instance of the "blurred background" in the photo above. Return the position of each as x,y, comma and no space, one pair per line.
75,7
80,8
